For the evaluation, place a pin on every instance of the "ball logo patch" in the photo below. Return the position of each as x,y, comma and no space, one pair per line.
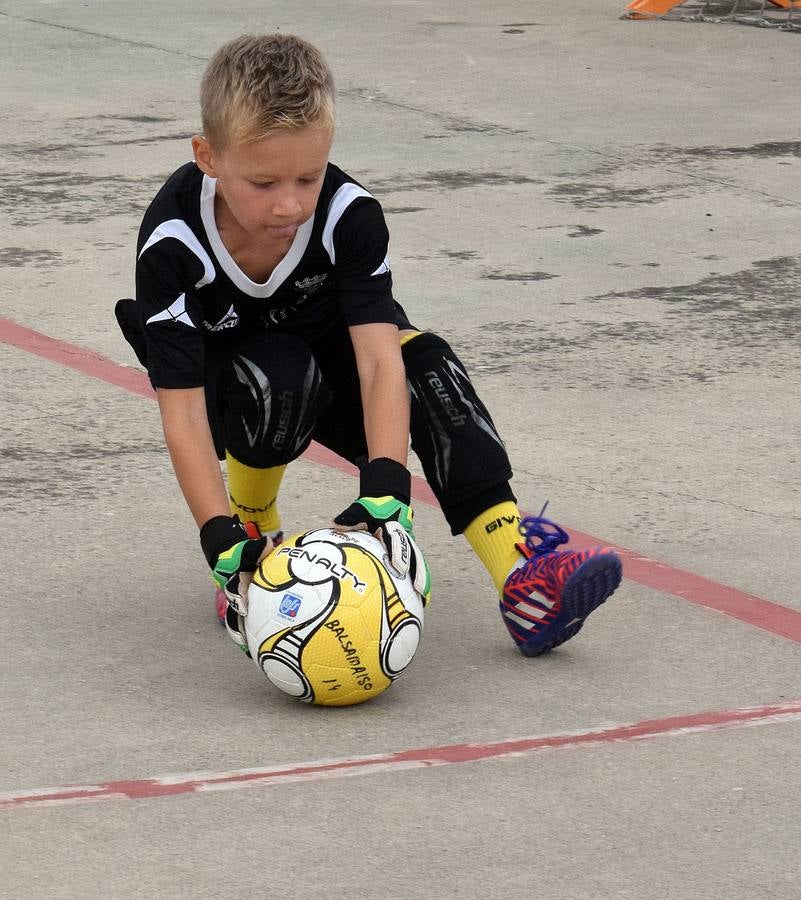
289,606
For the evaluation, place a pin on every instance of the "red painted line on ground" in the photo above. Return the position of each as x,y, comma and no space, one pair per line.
765,614
755,611
425,757
77,358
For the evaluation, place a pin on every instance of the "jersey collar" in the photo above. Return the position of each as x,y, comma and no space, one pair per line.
231,269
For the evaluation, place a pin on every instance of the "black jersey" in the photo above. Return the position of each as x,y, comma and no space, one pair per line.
191,297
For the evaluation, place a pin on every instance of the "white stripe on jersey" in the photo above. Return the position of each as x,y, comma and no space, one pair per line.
178,229
339,203
232,270
175,312
383,268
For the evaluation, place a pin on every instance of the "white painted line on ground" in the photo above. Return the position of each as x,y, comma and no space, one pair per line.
402,760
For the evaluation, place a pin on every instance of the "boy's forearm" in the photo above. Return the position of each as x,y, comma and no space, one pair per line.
189,441
385,399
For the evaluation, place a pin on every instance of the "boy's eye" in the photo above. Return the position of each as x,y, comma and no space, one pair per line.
261,184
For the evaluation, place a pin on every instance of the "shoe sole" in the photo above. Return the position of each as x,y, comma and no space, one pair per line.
593,582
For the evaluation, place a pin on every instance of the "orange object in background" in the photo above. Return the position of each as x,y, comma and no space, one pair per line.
646,8
651,7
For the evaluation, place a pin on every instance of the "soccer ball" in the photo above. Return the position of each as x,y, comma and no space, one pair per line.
329,620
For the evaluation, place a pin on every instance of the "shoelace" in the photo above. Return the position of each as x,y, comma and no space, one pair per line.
548,534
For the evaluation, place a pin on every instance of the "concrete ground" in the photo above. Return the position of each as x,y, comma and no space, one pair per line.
603,217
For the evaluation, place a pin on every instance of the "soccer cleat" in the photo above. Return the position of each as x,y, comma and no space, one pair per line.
220,600
221,605
546,600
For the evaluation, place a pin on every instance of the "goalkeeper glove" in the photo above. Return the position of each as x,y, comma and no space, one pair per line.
233,552
383,509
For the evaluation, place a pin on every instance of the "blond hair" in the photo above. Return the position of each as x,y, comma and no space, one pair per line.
257,84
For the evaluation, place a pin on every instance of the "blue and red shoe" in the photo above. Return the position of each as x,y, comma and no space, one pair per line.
220,600
546,600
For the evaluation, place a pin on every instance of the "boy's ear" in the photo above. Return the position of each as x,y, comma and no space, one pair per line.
203,155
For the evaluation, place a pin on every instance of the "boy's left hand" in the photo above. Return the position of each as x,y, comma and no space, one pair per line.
383,509
370,513
402,550
385,489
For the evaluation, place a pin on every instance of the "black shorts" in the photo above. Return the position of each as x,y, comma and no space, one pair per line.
339,414
340,420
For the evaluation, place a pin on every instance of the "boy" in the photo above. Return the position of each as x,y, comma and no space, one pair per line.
265,317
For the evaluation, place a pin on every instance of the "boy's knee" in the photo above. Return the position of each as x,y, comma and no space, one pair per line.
441,389
453,433
274,394
424,356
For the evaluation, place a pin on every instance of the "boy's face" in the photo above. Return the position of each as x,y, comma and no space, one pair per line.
269,187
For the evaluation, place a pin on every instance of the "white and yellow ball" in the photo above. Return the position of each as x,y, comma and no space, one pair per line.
329,620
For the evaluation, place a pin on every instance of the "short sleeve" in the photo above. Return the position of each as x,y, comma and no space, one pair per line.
361,264
169,314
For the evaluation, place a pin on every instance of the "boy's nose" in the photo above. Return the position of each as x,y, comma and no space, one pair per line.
287,205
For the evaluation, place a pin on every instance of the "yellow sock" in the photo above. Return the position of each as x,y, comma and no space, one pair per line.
493,535
253,494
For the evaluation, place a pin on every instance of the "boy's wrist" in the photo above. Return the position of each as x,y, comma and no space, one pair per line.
383,477
220,533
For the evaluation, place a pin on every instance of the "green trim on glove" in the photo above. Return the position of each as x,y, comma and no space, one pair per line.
228,564
425,593
385,509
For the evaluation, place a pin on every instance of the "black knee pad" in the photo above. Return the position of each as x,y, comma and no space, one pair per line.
272,395
453,434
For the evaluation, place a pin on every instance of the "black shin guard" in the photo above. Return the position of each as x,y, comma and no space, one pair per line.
272,392
462,455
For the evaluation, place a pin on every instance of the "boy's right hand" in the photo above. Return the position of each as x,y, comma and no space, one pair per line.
233,554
